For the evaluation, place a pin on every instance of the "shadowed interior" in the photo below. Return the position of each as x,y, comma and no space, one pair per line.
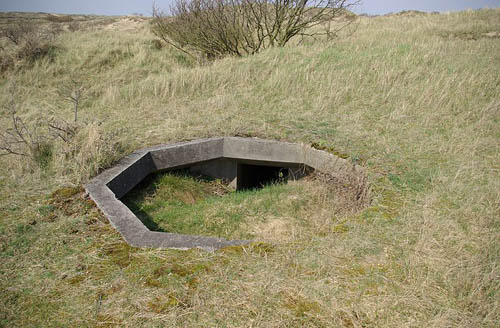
258,176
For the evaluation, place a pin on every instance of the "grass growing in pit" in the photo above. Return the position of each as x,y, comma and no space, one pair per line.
182,203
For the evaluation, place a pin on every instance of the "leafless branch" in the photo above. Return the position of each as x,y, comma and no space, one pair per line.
62,129
17,140
72,91
216,28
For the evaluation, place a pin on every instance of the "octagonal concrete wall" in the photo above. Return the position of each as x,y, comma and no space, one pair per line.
107,188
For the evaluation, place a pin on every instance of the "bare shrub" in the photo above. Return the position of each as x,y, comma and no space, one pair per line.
35,49
26,141
59,18
16,33
6,61
91,149
214,28
72,149
73,92
74,26
349,189
157,44
31,43
62,129
55,29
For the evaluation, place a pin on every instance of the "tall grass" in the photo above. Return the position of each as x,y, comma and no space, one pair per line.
413,99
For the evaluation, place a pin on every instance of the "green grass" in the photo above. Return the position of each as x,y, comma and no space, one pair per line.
184,204
414,99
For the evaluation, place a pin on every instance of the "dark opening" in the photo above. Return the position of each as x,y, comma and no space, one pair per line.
258,176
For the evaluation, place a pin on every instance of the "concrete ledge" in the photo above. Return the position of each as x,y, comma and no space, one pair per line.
107,188
263,150
188,153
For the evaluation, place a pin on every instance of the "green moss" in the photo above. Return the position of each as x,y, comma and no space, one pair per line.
151,282
300,305
261,248
388,202
76,279
231,250
118,253
179,273
331,150
163,303
65,193
340,228
184,270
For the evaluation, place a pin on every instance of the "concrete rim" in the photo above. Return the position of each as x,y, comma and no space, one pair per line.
107,188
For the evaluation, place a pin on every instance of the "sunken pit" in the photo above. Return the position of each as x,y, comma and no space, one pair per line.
248,163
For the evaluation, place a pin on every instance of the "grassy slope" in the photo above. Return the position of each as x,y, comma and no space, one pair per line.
414,99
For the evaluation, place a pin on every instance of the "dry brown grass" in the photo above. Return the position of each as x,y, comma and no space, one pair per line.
418,109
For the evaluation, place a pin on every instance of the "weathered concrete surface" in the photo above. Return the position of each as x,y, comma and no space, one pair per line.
221,168
131,175
252,149
204,156
187,153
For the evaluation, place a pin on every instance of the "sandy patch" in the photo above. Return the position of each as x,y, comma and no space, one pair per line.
124,24
273,229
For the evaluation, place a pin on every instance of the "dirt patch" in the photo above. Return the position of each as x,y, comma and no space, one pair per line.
55,18
493,35
125,24
469,35
274,229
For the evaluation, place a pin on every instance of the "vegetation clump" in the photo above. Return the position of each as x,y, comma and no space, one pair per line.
59,18
30,43
216,28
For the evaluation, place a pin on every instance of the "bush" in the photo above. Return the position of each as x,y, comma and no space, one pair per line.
80,150
16,33
59,18
34,50
30,43
26,141
6,62
74,26
42,154
215,28
157,44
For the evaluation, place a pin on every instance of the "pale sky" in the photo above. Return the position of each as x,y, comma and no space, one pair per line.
125,7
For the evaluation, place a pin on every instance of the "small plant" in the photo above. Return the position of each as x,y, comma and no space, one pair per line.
74,26
62,129
6,61
25,141
72,91
157,44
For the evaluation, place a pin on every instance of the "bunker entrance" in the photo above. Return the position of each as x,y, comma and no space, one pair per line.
245,175
257,176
